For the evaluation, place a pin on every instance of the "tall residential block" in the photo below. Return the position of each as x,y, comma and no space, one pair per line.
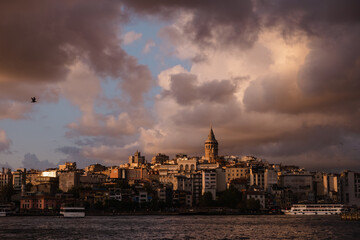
350,188
5,177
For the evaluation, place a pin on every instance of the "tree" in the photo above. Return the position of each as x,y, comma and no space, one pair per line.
230,198
75,191
122,184
253,204
28,187
98,205
206,200
6,192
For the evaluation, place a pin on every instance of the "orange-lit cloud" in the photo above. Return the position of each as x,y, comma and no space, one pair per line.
277,79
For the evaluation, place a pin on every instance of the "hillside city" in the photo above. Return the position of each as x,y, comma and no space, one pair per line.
183,184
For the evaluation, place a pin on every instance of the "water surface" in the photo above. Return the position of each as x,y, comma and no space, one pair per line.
180,227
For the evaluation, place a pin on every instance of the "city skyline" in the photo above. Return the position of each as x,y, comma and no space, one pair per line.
279,81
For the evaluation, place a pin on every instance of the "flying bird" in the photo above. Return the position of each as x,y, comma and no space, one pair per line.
33,99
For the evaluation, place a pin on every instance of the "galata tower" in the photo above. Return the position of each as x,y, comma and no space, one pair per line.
211,147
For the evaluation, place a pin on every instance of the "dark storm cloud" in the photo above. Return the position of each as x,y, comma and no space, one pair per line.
31,161
185,89
305,116
333,67
41,39
328,82
235,21
240,22
306,138
312,17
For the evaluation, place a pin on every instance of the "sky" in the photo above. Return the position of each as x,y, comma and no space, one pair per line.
279,80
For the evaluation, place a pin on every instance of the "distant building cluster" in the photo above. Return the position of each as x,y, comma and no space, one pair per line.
181,182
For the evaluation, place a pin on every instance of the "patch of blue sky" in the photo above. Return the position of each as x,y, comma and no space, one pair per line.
42,133
156,59
110,90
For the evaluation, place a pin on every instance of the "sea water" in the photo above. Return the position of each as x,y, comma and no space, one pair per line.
180,227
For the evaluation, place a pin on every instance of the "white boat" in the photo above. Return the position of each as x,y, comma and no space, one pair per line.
72,212
315,209
5,210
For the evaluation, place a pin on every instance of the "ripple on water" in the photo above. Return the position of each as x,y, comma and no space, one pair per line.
180,227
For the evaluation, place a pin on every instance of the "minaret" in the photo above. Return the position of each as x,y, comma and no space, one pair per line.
211,147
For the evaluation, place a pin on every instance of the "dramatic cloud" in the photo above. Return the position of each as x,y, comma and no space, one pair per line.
45,41
31,161
277,79
184,89
232,23
299,62
313,19
68,30
67,49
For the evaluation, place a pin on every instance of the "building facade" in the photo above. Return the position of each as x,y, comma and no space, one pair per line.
68,180
350,188
208,178
236,173
137,160
5,177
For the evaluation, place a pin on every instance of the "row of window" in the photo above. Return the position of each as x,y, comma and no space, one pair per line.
33,206
236,175
317,210
237,170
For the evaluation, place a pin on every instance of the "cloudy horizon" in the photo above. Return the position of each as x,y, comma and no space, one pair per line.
279,80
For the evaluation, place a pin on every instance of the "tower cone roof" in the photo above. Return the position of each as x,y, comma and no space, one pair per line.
211,136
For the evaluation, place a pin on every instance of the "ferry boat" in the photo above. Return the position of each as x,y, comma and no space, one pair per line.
5,210
72,212
315,209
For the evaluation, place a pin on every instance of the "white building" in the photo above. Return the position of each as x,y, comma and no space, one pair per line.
187,165
143,196
209,182
49,173
166,169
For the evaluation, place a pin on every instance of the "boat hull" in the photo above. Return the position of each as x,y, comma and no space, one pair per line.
311,213
74,215
73,212
315,209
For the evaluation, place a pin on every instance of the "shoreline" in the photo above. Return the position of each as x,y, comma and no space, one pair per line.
100,214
